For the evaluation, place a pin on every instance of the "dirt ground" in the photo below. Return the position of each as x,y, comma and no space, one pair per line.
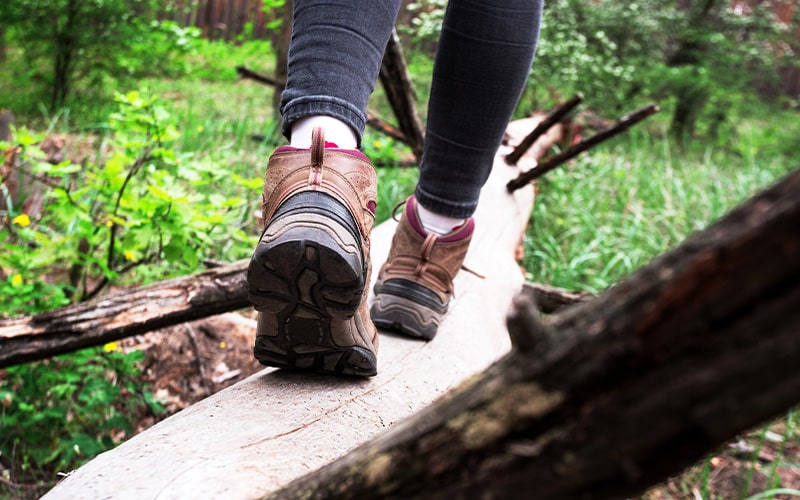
189,362
186,363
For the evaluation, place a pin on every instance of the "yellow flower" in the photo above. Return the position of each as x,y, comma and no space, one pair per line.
109,223
16,280
222,345
129,255
110,347
22,220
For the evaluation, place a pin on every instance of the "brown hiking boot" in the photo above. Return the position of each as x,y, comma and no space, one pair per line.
415,285
309,273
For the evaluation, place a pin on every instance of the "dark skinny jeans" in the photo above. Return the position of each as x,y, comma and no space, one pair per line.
482,62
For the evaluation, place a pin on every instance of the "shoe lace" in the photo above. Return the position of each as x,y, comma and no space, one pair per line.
429,245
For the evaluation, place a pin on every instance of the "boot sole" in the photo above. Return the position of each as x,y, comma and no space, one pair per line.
306,259
306,272
310,348
403,315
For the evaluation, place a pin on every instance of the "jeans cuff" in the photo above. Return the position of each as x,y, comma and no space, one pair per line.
448,208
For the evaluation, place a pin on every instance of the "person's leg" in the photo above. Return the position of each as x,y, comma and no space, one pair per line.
482,63
309,272
334,58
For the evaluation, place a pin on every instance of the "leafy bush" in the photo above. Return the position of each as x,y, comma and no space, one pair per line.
698,60
139,211
140,204
58,414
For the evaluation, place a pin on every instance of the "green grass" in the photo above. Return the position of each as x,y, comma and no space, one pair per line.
611,211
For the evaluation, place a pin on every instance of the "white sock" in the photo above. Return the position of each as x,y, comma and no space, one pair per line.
436,223
336,131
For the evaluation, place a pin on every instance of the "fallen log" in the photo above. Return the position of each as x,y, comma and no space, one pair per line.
617,394
123,314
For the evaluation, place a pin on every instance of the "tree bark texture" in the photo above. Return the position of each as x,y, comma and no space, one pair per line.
616,394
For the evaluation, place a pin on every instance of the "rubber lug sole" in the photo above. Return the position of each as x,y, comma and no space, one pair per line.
407,317
310,348
306,277
304,260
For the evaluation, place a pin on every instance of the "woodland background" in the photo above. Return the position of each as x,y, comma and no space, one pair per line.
139,156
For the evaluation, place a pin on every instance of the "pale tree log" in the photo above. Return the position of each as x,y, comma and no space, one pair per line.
614,395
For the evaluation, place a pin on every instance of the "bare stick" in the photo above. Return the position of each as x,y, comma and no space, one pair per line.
623,124
554,117
247,73
399,90
379,124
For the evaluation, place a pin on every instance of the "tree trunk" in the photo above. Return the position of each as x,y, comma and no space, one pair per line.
612,396
3,45
64,56
280,41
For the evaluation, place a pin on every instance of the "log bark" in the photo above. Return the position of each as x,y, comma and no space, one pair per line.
616,394
550,299
123,314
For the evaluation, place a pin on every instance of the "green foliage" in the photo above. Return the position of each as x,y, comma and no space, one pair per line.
139,206
70,42
611,212
58,414
426,25
140,203
216,61
697,62
174,182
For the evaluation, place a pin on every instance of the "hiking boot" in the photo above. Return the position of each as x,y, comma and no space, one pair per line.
415,285
308,277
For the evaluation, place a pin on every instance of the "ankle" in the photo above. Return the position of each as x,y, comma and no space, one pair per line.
436,223
336,132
